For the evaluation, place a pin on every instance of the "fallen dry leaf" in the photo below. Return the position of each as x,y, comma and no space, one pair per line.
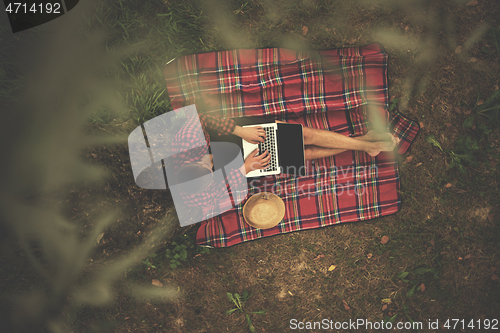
127,318
460,258
346,306
458,49
387,301
480,102
467,256
421,124
471,3
458,110
472,59
422,287
304,30
290,293
408,159
384,240
332,267
496,87
369,255
319,257
419,164
384,307
447,124
448,185
157,283
101,235
467,111
352,41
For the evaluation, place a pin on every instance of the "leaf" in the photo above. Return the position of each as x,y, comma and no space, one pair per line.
384,307
238,299
304,30
369,255
447,125
332,267
472,59
346,306
231,298
448,185
402,275
352,41
432,140
157,283
387,300
384,240
468,122
101,235
319,257
411,291
421,124
249,322
422,287
229,312
471,3
408,159
261,312
458,49
421,270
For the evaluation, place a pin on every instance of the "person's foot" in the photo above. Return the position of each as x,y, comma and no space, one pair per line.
374,148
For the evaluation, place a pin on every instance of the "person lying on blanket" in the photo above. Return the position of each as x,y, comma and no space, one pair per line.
196,163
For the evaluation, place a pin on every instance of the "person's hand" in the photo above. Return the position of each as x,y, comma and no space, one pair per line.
256,162
252,134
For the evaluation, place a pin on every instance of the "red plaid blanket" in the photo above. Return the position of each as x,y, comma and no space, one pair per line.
322,89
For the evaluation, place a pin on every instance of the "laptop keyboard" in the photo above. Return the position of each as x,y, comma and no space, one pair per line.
270,145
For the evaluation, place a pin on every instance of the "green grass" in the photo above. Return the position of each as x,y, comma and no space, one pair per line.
444,237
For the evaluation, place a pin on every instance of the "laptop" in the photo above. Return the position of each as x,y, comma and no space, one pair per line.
285,143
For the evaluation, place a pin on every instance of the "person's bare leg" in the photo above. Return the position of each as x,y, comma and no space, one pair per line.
328,139
313,152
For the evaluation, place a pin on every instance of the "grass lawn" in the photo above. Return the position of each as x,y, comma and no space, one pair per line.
85,250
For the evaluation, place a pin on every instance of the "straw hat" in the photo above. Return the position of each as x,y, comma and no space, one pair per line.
264,210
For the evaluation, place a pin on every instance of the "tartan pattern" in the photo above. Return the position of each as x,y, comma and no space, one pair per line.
322,89
188,137
405,129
